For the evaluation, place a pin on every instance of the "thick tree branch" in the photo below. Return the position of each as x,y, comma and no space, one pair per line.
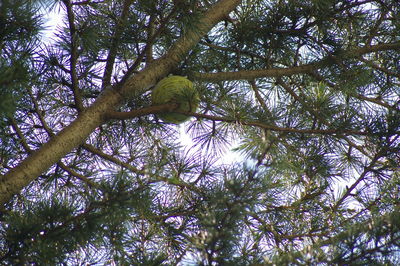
120,24
162,67
373,48
254,74
93,116
278,72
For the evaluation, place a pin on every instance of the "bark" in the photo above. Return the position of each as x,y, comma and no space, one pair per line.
253,74
88,120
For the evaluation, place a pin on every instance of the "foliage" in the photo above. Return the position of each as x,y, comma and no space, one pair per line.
17,19
308,92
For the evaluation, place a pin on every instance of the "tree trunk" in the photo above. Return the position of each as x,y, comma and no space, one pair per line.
75,134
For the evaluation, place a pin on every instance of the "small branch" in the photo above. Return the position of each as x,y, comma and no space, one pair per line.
356,95
83,178
74,56
316,114
375,28
147,49
86,2
168,107
230,49
259,97
40,114
363,175
382,69
110,158
179,183
119,27
157,178
377,101
21,136
278,72
277,128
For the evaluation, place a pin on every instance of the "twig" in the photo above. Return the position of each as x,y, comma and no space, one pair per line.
168,107
278,72
77,175
114,44
74,56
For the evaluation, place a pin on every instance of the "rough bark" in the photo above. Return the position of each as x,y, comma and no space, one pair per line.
88,120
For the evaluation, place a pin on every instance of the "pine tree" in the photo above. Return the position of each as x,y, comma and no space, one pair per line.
308,92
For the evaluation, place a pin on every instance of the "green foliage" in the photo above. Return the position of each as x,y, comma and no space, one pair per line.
20,25
43,233
307,92
17,19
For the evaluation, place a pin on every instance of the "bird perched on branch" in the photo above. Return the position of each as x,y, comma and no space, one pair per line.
176,89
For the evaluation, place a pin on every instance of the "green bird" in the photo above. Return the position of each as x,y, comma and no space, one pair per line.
176,89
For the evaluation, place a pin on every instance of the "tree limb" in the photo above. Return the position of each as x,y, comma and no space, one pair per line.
277,128
92,117
278,72
120,24
168,107
111,158
83,178
74,56
253,74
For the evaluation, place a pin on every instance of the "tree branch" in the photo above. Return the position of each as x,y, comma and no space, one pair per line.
40,114
77,175
382,69
147,49
162,66
373,48
21,136
254,74
316,114
110,158
90,118
356,95
278,72
168,107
